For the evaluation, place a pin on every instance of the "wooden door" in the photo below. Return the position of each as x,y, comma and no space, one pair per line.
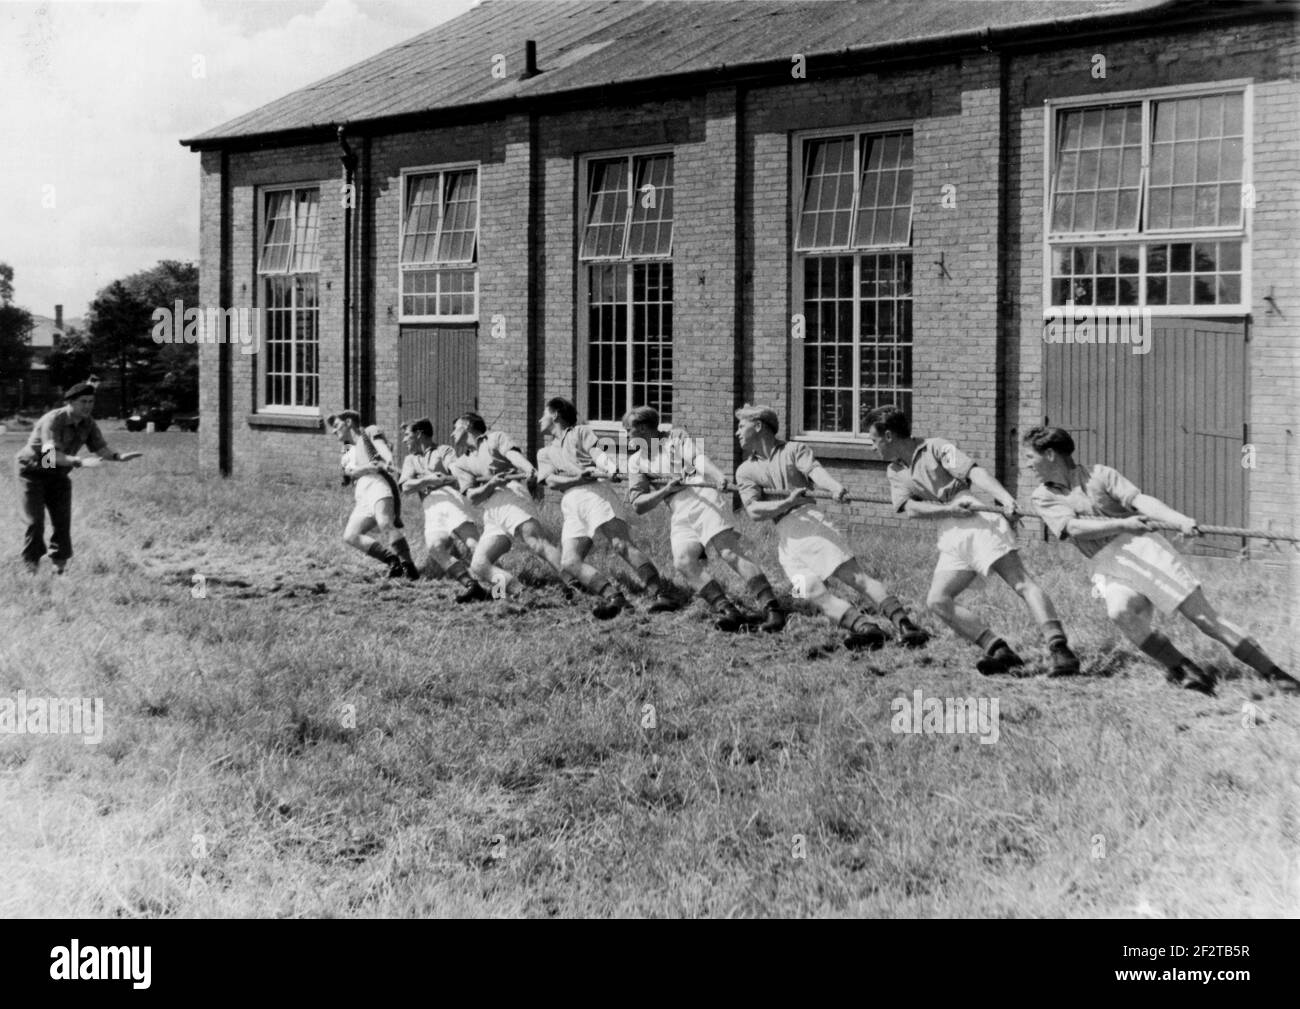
439,374
1172,419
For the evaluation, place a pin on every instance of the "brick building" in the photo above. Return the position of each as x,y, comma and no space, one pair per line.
822,206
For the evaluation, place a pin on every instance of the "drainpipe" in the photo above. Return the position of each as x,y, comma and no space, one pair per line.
349,161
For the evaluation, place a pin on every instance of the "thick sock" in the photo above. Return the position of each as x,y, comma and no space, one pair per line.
892,609
402,550
713,595
459,570
381,553
1054,632
650,575
762,590
1162,650
988,641
1250,653
856,620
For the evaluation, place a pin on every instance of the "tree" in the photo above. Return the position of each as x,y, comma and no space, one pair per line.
71,360
121,336
15,331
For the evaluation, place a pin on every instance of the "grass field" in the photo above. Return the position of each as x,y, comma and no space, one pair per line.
311,740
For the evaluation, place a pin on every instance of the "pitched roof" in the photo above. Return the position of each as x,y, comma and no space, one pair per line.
595,43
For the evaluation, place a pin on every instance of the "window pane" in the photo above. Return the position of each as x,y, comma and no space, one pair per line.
607,208
277,233
306,244
457,237
651,233
652,337
827,200
1098,169
885,191
885,346
1197,148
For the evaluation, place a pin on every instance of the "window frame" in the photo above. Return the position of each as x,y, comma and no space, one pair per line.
262,301
1142,238
441,170
798,140
584,264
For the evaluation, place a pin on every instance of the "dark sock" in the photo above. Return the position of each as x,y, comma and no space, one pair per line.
1162,650
1250,653
892,609
857,621
988,641
650,575
1054,633
381,553
762,590
401,548
713,595
459,570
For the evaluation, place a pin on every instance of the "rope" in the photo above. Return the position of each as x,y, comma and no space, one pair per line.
821,495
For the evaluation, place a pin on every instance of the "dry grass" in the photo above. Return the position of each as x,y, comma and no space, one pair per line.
498,764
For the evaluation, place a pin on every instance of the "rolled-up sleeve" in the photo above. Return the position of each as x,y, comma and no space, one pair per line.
750,492
95,439
48,430
1117,485
954,460
1054,510
899,491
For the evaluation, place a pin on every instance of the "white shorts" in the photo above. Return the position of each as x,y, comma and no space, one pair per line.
974,543
445,511
369,490
507,509
697,515
1145,563
810,547
588,507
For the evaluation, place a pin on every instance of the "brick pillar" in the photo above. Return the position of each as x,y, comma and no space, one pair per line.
705,270
507,368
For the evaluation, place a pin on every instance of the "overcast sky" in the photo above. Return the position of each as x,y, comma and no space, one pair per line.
94,97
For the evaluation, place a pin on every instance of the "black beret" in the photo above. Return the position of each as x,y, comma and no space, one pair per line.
79,390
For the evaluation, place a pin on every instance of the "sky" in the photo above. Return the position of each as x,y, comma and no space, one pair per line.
95,97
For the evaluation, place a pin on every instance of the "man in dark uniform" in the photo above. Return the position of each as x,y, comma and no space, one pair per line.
44,465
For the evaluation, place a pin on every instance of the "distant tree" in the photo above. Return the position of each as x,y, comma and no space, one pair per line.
119,325
15,330
71,361
120,336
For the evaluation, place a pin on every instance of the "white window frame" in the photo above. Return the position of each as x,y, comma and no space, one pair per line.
584,263
263,355
439,169
797,256
1142,238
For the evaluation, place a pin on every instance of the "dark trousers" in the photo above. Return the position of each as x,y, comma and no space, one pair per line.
44,490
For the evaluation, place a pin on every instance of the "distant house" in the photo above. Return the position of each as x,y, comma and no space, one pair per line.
823,206
34,390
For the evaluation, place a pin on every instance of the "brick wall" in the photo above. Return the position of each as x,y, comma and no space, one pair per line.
1259,52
